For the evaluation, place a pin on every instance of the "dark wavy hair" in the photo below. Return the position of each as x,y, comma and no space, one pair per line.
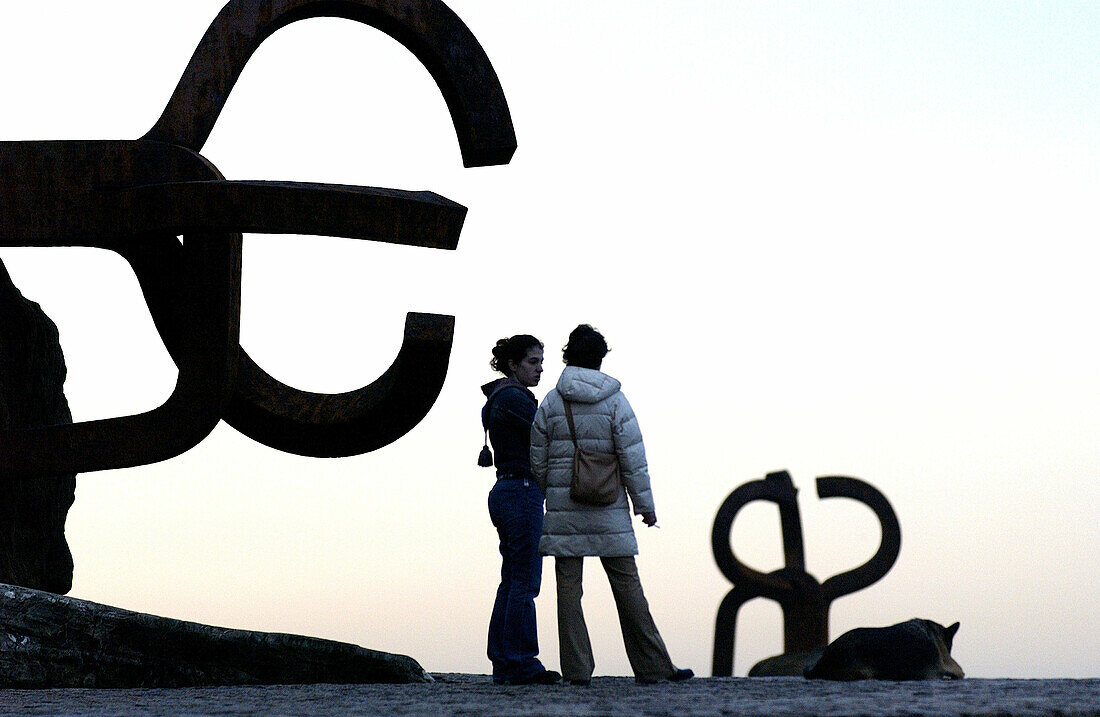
513,348
586,348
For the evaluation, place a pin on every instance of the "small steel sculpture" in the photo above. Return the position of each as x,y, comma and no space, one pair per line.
805,602
135,197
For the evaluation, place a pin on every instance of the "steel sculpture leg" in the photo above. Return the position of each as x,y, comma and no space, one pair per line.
805,612
725,630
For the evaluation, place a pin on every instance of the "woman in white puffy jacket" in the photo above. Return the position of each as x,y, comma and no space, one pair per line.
604,422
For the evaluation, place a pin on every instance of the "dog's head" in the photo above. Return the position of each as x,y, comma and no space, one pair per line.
943,637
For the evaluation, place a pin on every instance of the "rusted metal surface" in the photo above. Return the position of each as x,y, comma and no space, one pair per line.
427,28
136,197
804,601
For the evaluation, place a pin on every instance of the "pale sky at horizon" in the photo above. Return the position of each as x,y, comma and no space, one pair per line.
850,238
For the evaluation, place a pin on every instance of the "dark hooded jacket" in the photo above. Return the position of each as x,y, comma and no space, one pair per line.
507,415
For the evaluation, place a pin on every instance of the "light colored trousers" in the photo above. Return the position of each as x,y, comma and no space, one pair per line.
644,647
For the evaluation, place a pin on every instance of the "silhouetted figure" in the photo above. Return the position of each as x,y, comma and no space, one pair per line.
603,422
515,506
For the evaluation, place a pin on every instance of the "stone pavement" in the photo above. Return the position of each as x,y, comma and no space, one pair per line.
460,694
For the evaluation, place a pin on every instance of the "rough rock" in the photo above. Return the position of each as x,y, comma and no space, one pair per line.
50,641
33,550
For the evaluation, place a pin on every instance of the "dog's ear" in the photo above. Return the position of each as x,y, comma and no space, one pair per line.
949,634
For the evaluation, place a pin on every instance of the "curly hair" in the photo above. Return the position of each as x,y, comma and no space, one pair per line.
512,348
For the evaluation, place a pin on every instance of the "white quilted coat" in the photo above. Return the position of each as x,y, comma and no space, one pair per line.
605,423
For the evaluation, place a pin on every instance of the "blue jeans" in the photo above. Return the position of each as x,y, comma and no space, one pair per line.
515,507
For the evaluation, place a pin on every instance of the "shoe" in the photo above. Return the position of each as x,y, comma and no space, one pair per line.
580,683
546,677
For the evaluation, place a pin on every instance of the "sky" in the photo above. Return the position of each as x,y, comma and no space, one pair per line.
849,238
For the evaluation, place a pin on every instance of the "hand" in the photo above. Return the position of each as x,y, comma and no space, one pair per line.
650,519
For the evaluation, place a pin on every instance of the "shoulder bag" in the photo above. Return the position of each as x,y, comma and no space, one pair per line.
596,479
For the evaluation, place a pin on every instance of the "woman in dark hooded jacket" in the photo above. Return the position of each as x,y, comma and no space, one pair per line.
515,507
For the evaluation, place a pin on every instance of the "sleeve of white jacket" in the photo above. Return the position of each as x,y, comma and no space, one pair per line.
628,444
540,447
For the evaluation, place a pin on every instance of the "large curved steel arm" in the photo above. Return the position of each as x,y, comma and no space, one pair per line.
427,28
776,488
281,416
387,215
347,424
889,547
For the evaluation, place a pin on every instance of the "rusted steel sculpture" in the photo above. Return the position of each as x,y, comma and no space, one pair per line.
135,197
805,602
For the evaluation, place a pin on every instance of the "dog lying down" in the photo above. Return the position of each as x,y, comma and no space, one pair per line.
914,650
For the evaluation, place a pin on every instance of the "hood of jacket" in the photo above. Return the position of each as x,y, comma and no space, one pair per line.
586,385
490,388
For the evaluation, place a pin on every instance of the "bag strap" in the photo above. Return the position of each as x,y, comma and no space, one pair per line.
569,418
